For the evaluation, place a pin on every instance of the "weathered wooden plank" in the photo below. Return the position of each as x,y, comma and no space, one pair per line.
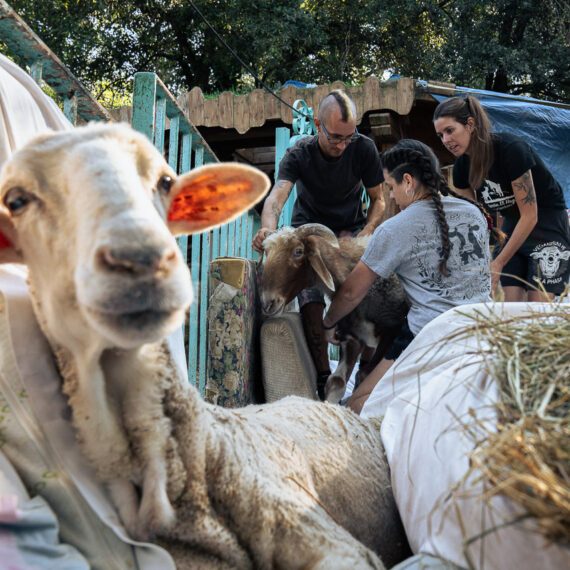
396,95
173,141
355,93
319,93
256,108
144,104
226,110
160,123
272,107
211,118
371,95
241,114
224,240
289,94
194,105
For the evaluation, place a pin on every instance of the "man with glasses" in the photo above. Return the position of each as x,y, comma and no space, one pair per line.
329,171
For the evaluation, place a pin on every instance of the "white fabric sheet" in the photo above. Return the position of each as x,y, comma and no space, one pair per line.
43,384
25,110
424,397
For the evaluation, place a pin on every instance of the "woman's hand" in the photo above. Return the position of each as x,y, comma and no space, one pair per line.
496,270
330,336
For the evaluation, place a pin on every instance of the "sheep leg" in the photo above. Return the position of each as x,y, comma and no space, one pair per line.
336,382
148,430
387,337
364,368
156,514
101,436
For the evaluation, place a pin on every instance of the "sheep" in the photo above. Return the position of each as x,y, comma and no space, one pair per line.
312,256
296,484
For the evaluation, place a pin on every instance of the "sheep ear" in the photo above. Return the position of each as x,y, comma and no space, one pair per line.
213,195
9,252
317,263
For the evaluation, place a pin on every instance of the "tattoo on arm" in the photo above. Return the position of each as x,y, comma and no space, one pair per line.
276,211
275,207
525,184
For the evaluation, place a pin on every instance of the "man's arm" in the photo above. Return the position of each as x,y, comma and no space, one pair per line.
271,211
375,210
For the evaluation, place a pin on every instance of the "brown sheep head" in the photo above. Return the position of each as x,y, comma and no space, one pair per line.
293,262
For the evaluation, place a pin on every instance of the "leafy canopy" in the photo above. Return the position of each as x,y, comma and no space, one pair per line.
517,46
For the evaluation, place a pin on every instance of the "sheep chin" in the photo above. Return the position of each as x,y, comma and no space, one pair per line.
130,330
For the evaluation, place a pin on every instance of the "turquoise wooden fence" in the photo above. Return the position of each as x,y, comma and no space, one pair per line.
156,112
30,51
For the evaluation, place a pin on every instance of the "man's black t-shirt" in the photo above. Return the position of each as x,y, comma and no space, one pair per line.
512,158
328,190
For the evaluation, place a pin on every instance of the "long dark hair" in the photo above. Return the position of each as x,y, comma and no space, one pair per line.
481,145
417,159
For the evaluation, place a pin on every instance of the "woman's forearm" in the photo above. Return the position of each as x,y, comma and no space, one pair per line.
522,230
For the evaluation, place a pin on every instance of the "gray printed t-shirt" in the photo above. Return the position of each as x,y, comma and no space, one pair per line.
409,245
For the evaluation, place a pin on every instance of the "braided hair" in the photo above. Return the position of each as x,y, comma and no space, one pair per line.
417,159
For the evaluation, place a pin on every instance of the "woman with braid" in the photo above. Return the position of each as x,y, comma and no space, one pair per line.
503,172
438,246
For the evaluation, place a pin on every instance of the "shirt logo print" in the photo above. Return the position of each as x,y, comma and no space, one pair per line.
552,258
494,197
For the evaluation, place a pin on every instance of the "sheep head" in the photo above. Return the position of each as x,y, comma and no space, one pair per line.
93,212
293,262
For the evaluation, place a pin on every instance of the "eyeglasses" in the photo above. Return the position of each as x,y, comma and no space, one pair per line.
339,140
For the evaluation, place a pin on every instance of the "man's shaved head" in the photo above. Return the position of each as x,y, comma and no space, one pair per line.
337,99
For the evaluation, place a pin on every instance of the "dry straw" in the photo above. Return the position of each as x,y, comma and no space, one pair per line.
528,458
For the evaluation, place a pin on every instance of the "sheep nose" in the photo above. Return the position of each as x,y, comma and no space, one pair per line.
136,260
271,306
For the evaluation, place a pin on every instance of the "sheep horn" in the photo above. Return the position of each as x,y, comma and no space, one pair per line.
317,230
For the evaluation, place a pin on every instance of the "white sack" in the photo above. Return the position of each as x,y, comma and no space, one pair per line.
430,389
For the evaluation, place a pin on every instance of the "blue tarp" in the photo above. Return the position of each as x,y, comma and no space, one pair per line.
546,128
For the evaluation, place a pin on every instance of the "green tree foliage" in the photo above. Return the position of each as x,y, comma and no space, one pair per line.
517,46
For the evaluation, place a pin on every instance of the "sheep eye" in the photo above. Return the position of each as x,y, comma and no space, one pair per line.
16,200
298,252
164,184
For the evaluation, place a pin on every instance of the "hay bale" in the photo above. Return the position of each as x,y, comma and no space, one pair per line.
528,458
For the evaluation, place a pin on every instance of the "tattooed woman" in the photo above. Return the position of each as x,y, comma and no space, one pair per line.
438,246
503,172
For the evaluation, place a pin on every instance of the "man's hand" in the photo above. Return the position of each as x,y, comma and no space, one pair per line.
259,238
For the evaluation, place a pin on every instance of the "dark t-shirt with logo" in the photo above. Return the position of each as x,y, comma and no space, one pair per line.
329,190
512,158
545,254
